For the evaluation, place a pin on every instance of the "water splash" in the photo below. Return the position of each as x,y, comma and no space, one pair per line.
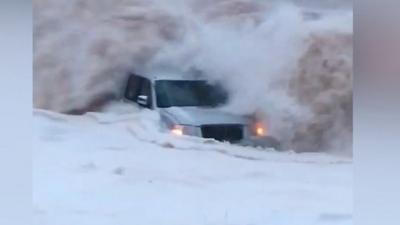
293,66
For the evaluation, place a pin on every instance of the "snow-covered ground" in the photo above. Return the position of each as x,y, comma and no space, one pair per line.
116,169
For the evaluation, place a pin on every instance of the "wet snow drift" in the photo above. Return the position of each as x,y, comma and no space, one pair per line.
108,168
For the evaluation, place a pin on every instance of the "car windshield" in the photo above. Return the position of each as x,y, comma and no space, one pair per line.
188,93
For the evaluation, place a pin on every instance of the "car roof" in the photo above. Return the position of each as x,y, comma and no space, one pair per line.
175,77
170,76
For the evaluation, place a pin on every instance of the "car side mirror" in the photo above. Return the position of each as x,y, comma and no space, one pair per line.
142,100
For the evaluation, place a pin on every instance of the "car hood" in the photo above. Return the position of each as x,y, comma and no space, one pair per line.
197,116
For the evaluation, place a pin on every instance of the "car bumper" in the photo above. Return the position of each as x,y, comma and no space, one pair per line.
264,142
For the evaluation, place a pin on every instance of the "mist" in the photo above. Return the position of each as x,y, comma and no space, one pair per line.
291,66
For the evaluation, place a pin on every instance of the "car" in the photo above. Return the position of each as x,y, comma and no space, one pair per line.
193,107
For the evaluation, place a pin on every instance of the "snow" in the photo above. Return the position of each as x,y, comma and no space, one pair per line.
116,168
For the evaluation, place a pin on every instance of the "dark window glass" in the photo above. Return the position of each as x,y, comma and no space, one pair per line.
188,93
133,87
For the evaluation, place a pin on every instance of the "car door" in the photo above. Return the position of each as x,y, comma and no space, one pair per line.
139,86
146,90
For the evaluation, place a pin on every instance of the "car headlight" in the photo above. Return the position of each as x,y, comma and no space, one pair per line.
259,129
177,130
180,130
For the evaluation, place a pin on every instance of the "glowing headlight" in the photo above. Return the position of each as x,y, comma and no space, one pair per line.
177,130
259,129
180,130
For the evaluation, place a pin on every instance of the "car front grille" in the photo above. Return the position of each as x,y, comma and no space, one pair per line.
223,132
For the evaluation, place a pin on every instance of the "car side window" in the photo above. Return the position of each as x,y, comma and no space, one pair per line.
133,87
